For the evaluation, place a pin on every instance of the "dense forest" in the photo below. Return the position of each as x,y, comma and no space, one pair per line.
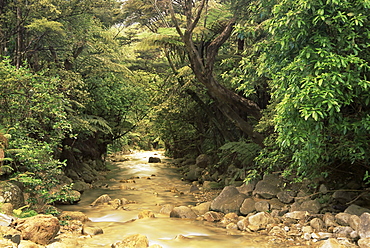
258,85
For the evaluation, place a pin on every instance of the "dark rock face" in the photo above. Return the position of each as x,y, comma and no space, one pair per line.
229,201
266,190
154,160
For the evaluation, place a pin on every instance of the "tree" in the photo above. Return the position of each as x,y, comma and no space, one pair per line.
318,59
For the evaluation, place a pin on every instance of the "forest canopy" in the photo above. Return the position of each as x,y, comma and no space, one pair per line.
260,86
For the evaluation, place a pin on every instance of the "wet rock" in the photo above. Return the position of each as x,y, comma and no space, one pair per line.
278,231
243,224
248,206
286,196
74,215
329,243
154,160
247,188
232,226
229,200
266,190
202,208
342,219
5,220
202,161
364,243
40,229
259,221
92,230
101,200
357,210
132,241
262,206
146,214
183,212
364,226
230,218
11,193
212,216
166,209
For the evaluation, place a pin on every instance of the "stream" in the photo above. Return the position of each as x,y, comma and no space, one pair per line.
156,184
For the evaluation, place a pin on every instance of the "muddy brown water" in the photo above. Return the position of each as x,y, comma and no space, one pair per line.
151,194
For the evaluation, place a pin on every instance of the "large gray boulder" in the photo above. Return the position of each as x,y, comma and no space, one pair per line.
228,201
183,212
248,206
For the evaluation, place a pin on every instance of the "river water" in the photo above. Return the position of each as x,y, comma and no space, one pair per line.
155,184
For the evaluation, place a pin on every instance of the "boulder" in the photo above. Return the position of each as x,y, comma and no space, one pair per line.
146,214
342,231
183,212
101,200
364,243
81,186
40,229
11,193
266,190
202,161
212,216
343,219
10,234
202,208
248,206
92,230
343,197
329,243
259,221
262,206
74,215
6,208
247,188
357,210
317,224
166,209
154,160
230,218
286,196
229,200
354,222
132,241
329,220
364,226
311,206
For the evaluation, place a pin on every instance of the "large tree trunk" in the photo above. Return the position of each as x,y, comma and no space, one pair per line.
202,66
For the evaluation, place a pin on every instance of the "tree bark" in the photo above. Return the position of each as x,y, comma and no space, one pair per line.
203,66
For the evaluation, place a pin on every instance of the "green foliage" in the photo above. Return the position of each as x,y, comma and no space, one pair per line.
24,212
318,58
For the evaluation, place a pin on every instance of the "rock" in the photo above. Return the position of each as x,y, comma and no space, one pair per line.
202,161
275,204
266,190
286,196
202,208
155,246
297,215
230,218
247,188
232,226
243,224
323,189
208,185
364,226
342,231
278,231
81,186
10,234
262,206
91,230
74,215
166,209
357,210
342,219
212,216
354,222
101,200
5,220
317,224
329,220
229,200
183,212
273,179
40,229
343,197
194,189
259,221
364,243
132,241
154,160
193,173
329,243
11,193
146,214
28,244
248,206
311,206
7,208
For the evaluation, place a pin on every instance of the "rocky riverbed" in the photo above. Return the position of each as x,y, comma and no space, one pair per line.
142,204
